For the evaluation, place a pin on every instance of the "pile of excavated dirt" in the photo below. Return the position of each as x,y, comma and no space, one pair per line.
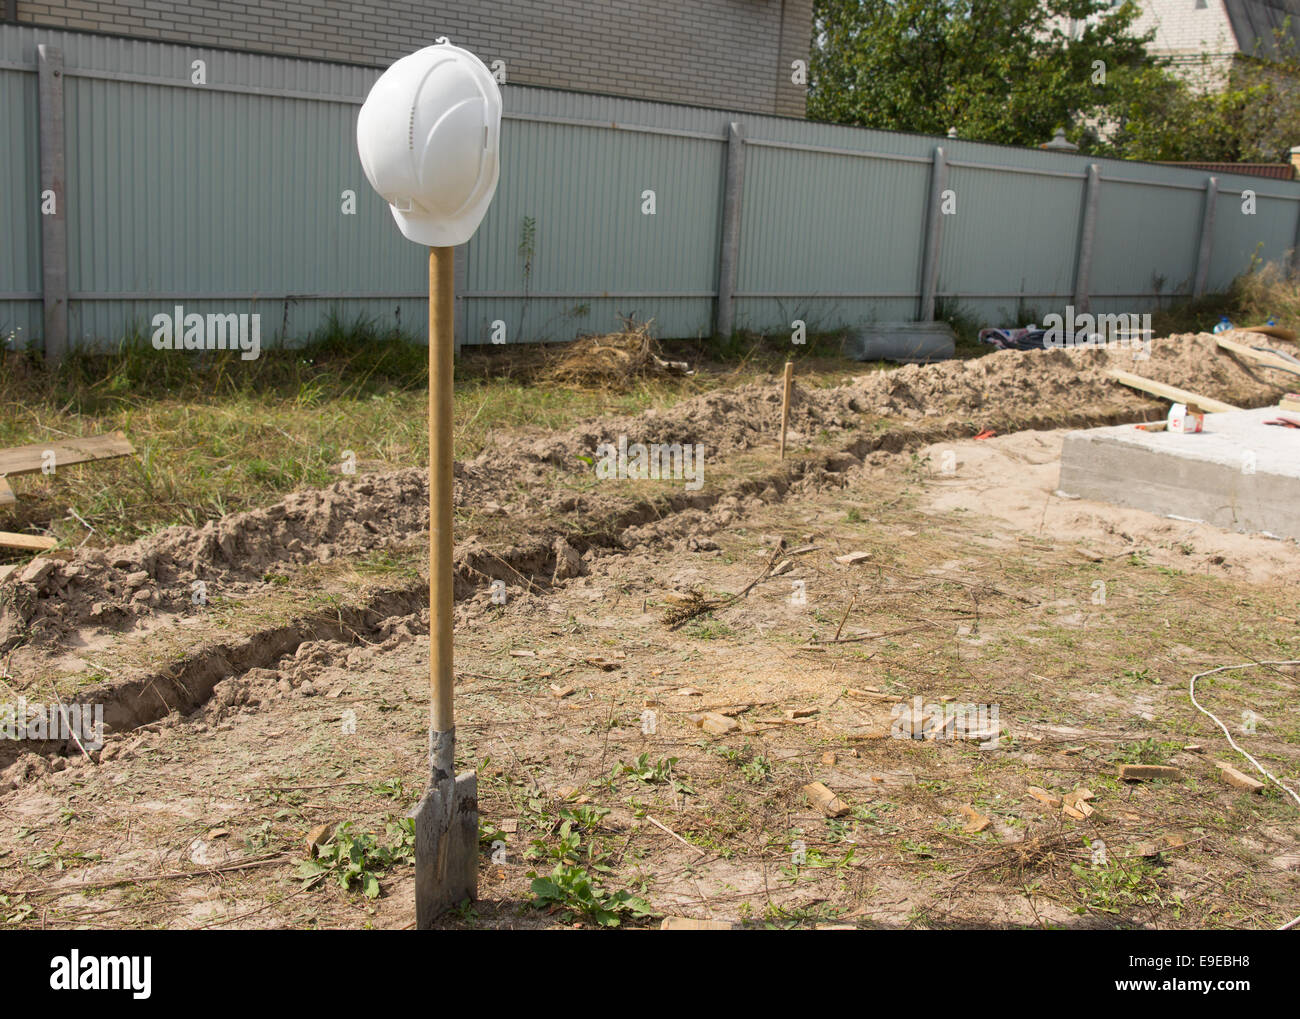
1005,386
111,587
515,477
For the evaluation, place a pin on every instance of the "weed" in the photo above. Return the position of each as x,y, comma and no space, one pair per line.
356,861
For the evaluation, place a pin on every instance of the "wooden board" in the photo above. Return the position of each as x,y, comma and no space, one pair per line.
7,497
1171,393
1277,332
1260,357
28,542
29,459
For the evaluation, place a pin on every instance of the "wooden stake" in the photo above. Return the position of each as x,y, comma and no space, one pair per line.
26,542
441,276
785,403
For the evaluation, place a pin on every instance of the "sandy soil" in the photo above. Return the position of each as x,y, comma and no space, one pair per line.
293,693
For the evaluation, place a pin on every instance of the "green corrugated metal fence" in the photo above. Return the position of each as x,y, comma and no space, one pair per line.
228,196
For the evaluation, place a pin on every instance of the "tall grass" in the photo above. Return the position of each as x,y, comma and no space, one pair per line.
1264,292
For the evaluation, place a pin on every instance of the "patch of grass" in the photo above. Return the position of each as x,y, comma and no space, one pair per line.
215,434
1146,751
1118,887
575,883
356,860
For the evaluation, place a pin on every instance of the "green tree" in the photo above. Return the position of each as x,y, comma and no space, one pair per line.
1009,71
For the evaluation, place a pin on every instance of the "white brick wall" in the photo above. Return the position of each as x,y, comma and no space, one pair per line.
1182,27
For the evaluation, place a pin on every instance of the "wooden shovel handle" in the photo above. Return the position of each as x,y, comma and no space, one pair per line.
441,573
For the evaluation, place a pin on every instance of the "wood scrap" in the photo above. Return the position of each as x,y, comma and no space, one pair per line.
825,800
26,542
1237,779
1277,332
1262,358
975,821
1171,393
65,452
1148,772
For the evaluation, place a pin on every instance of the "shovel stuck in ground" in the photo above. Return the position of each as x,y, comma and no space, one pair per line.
446,818
428,137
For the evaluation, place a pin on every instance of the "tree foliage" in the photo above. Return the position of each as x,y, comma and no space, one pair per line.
1014,71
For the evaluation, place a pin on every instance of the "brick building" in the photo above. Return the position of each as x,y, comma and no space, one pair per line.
735,54
1205,38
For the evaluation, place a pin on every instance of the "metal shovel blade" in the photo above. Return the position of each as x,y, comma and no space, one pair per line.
446,847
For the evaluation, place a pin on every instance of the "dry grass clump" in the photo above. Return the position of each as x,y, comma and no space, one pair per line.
613,360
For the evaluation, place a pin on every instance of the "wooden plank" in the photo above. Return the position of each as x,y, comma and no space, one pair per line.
1171,393
7,497
1260,357
27,542
1277,332
29,459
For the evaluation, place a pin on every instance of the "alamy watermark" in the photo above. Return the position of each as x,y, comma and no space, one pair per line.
919,720
82,722
657,461
178,331
1114,332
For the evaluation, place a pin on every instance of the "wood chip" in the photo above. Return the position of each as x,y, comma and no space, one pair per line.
793,713
1238,779
871,695
717,724
1043,796
1148,772
853,558
687,923
317,837
825,800
975,821
560,691
26,542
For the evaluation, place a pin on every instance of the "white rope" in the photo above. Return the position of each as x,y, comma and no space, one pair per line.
1259,767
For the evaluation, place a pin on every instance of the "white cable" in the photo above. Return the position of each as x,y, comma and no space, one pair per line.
1262,770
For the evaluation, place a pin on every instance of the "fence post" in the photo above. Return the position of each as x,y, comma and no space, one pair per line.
1087,237
1206,247
933,234
729,250
1295,246
54,226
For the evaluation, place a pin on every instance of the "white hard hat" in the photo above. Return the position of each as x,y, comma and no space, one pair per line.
428,136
